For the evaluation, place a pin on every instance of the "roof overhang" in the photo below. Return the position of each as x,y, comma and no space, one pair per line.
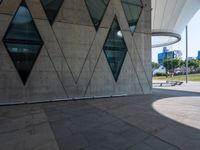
169,18
164,38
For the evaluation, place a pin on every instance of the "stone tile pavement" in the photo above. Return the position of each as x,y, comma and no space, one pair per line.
165,120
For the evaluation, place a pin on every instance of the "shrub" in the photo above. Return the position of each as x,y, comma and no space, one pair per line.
161,74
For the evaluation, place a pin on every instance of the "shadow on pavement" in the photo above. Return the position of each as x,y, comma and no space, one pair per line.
120,123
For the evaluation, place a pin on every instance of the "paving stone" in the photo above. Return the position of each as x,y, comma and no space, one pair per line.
30,138
141,146
130,124
61,128
73,142
158,144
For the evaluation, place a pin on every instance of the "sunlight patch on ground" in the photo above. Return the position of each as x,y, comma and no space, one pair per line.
185,110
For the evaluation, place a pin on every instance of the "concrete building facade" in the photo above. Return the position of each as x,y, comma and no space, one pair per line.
72,63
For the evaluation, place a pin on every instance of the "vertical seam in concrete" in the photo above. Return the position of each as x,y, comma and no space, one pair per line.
142,63
136,72
56,71
154,15
163,14
168,24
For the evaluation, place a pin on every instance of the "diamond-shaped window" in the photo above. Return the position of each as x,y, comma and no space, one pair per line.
97,10
132,10
23,41
115,49
51,8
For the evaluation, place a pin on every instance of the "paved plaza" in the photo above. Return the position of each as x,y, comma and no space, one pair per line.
166,120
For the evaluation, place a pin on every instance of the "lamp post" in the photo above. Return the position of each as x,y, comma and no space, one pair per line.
186,54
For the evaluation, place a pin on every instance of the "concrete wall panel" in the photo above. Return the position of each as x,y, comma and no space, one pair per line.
72,63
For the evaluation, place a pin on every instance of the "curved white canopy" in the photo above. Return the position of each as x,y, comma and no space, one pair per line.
170,17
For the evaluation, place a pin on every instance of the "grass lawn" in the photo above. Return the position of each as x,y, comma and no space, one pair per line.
192,77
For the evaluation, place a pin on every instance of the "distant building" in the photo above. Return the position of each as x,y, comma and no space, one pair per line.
165,50
198,57
191,58
167,54
178,54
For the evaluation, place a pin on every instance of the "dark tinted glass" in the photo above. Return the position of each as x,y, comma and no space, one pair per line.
115,49
134,2
22,26
97,10
51,8
132,10
23,57
23,41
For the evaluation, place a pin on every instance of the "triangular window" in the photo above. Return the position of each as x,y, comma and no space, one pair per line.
51,8
132,10
97,10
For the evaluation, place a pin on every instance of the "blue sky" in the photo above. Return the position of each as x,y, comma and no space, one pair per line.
193,39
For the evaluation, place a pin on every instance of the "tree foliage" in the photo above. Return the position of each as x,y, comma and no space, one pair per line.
171,64
194,64
155,65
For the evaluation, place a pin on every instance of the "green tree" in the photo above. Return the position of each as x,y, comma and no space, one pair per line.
155,65
182,63
194,64
172,64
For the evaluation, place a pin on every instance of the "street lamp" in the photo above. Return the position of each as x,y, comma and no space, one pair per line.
186,54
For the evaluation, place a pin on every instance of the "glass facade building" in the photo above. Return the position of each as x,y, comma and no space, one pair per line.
198,57
166,54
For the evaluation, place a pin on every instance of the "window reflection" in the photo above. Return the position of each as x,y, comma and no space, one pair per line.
132,10
97,9
115,49
23,41
22,26
51,8
24,56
